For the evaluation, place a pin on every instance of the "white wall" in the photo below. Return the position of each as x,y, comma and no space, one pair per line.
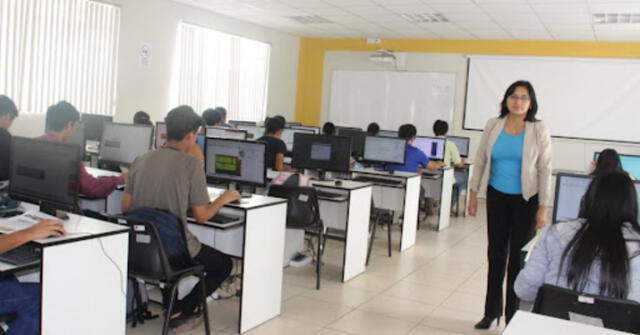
567,154
146,87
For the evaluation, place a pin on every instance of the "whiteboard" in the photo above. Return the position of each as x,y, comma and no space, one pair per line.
584,98
392,99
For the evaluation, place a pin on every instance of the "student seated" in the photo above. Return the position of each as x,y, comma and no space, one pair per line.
23,299
211,117
373,129
276,148
608,160
223,116
142,117
328,129
60,122
451,157
415,158
597,254
8,113
170,179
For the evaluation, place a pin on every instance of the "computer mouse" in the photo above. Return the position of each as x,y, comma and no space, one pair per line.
236,202
338,182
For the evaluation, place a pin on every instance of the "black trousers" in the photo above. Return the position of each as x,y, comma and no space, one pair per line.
217,267
510,225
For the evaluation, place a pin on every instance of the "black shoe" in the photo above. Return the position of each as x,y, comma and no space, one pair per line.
486,322
184,318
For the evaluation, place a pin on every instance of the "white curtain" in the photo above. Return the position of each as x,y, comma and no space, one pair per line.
53,50
217,69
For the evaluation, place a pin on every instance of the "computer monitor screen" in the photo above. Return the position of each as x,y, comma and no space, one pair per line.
388,133
292,124
288,135
121,143
383,149
222,132
570,188
94,125
235,161
78,137
462,143
45,172
319,152
315,130
161,134
433,147
630,163
357,140
253,132
237,123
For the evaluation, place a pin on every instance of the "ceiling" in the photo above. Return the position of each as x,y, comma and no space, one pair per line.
563,20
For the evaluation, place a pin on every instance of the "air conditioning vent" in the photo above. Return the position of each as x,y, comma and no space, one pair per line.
310,19
616,18
425,17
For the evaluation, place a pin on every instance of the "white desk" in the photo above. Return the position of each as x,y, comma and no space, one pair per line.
83,277
259,241
350,214
110,204
439,185
468,171
526,323
402,196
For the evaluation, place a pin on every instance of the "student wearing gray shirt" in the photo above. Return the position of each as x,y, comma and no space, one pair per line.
168,178
597,254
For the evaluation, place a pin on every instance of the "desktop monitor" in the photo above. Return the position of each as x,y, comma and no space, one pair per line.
433,147
462,143
320,152
233,160
387,150
289,133
161,134
292,124
237,123
357,140
94,125
630,163
253,132
224,132
315,130
78,137
121,142
46,173
388,133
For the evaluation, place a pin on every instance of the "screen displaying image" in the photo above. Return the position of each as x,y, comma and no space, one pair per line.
321,151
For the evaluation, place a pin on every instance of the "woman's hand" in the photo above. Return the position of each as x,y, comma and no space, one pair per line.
473,203
541,217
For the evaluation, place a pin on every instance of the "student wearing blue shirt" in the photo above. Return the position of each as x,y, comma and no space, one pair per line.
415,159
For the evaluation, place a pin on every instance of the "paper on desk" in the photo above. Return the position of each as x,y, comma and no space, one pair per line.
23,221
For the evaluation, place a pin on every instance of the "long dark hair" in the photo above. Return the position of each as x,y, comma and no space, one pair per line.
608,160
610,201
533,108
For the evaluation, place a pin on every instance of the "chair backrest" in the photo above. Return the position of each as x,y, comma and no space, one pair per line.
302,205
618,314
157,245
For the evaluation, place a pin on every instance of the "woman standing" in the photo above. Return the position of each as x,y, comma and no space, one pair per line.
513,165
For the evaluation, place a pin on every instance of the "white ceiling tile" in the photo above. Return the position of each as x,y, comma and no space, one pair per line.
491,34
365,10
350,3
384,18
617,7
530,34
574,36
460,2
326,11
345,18
568,19
483,25
568,27
387,3
413,9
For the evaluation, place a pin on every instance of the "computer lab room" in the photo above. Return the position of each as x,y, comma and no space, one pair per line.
320,167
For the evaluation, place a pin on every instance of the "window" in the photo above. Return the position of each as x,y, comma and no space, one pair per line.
217,69
59,50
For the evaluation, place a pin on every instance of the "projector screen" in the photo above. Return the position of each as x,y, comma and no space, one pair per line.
584,98
392,98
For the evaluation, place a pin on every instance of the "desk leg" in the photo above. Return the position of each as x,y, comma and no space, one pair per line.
84,286
445,199
410,221
357,233
261,297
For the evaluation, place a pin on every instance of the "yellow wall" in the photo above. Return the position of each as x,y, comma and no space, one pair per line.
312,51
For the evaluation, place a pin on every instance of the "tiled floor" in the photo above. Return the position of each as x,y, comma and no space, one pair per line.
436,287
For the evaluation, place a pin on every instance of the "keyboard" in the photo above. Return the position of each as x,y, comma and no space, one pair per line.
328,195
378,180
23,255
224,218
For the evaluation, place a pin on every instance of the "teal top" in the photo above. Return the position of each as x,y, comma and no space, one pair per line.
506,163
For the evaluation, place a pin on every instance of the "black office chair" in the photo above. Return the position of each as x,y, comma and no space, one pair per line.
379,216
303,212
6,318
161,260
618,314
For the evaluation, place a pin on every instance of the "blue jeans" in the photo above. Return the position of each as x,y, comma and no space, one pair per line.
24,300
461,184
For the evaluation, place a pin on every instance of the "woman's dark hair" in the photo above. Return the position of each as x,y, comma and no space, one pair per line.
533,108
610,201
142,118
274,124
608,160
440,127
329,128
373,129
407,131
181,121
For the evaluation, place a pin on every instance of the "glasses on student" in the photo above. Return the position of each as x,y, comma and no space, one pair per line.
519,97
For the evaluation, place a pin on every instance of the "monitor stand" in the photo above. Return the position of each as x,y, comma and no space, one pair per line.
322,175
384,168
53,211
246,191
